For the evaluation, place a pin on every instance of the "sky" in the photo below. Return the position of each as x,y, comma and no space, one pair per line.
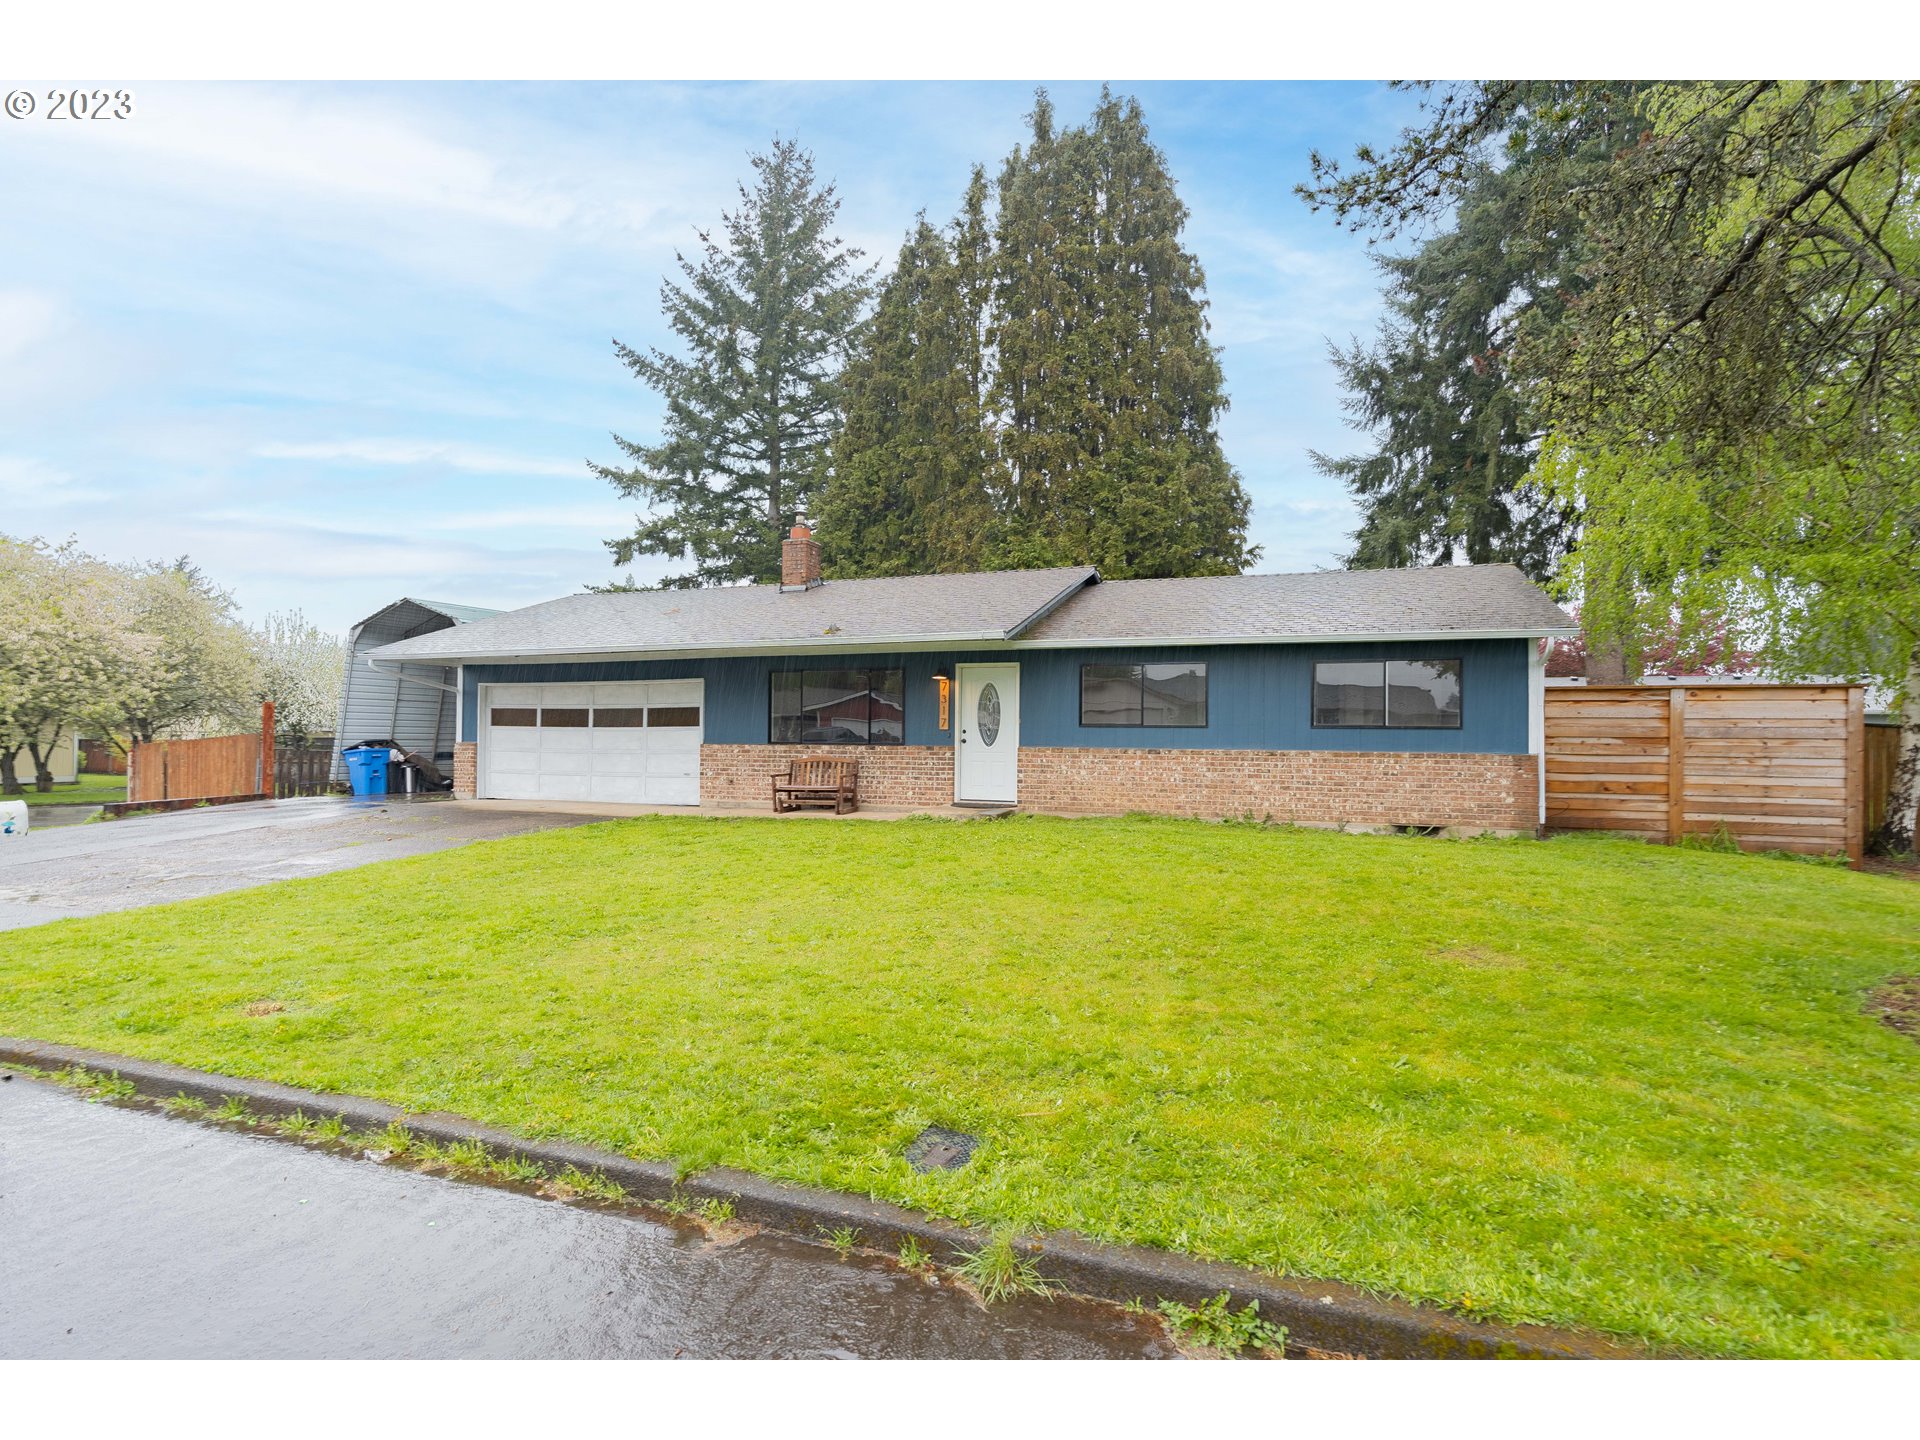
346,343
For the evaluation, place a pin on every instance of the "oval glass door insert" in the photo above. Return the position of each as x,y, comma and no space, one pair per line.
989,714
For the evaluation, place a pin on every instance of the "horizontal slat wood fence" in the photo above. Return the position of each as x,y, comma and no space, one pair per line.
1777,767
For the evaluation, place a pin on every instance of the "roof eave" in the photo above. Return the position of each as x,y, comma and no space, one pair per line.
912,643
1389,637
712,649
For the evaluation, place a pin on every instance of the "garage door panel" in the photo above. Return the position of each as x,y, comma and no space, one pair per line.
621,790
621,694
618,760
666,791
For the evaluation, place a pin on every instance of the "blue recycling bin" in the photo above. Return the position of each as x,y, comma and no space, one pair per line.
367,770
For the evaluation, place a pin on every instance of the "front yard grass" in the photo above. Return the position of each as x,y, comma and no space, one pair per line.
1581,1081
89,790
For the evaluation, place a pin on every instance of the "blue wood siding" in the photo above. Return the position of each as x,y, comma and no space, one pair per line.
1258,695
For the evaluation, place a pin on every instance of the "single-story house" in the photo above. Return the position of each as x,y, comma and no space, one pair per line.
411,704
1358,697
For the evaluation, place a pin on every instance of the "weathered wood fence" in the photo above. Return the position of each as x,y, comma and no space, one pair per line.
1776,767
302,771
218,768
1883,748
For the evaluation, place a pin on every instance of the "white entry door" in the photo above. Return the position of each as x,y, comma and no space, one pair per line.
632,742
987,734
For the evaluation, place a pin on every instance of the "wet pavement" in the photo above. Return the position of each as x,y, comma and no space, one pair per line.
54,872
127,1233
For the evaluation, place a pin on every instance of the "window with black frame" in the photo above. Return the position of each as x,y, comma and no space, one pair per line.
837,707
1172,695
1387,694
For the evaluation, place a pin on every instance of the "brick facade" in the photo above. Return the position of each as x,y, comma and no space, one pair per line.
889,775
466,770
1309,787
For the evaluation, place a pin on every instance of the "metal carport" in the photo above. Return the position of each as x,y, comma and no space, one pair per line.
411,704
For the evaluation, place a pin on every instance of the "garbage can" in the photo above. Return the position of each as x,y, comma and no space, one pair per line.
367,770
14,818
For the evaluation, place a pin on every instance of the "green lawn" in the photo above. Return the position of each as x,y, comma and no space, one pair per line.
1579,1081
91,790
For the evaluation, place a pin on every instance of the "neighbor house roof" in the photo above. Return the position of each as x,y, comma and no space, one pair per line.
1425,601
1013,607
987,607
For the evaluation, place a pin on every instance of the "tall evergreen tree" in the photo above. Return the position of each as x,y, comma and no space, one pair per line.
766,319
1107,390
1446,477
914,464
1040,389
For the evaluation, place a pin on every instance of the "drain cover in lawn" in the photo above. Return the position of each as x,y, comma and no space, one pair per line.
937,1149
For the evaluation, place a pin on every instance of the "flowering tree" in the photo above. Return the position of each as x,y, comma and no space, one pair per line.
59,654
302,670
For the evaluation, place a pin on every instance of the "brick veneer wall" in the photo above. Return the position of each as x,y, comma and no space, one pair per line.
1317,787
466,770
1313,787
889,774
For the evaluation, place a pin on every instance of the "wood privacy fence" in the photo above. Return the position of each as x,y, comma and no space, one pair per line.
1883,748
214,769
302,771
1776,767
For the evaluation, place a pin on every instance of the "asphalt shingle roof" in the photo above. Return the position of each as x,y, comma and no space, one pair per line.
989,606
998,606
1427,600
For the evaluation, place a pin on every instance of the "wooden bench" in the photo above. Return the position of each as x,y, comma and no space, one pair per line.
818,780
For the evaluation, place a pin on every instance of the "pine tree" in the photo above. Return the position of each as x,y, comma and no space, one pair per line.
914,465
1107,390
1445,479
1040,390
766,319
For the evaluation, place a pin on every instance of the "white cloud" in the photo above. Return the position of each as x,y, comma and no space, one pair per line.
29,484
332,147
451,454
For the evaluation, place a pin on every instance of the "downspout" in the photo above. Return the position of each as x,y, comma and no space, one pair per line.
1537,718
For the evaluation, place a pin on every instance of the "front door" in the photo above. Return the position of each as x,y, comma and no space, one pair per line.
987,734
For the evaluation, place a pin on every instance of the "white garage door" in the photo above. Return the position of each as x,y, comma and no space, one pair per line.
636,743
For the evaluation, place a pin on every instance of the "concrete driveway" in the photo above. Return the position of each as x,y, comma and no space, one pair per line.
51,874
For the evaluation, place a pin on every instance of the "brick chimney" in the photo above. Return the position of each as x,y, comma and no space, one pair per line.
799,560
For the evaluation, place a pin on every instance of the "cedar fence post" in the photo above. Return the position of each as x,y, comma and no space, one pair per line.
267,786
1676,763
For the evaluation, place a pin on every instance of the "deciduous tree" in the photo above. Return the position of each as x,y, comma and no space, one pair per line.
1731,400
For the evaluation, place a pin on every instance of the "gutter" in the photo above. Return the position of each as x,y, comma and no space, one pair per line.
915,643
1321,1316
414,679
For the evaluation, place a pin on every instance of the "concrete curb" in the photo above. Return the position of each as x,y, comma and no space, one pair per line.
1320,1315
